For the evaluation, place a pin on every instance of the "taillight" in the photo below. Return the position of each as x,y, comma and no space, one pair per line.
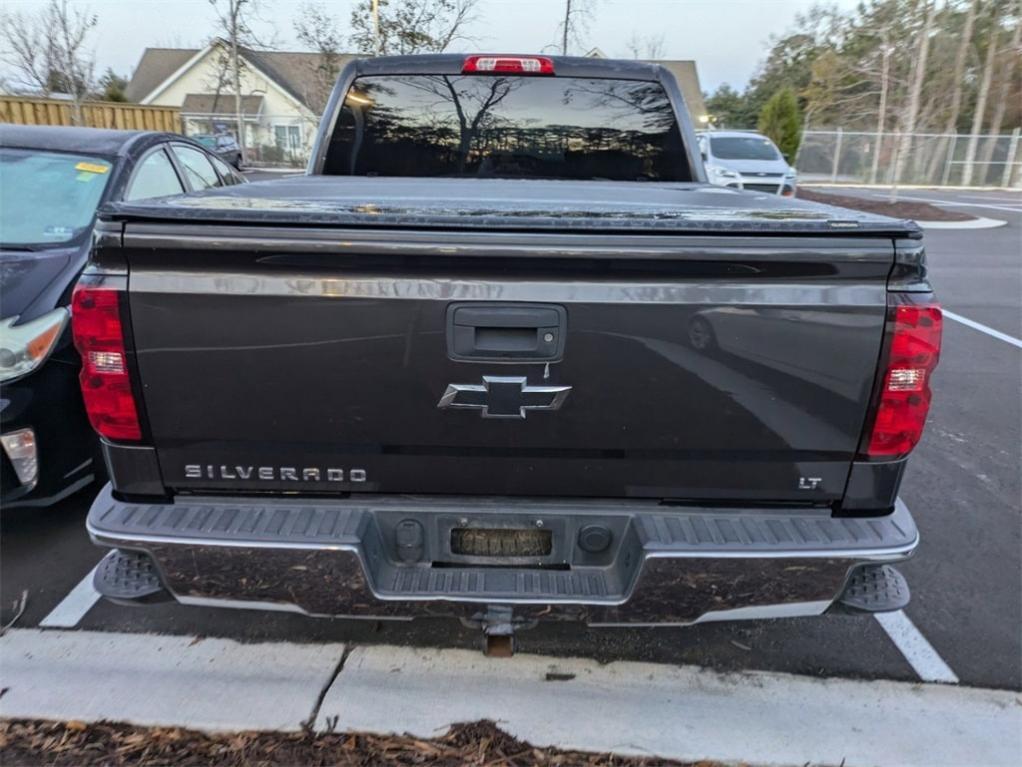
905,394
519,65
106,384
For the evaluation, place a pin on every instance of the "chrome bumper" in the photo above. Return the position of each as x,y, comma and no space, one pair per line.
664,565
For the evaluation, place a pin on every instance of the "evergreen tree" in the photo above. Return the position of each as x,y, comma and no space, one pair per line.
111,86
781,121
729,109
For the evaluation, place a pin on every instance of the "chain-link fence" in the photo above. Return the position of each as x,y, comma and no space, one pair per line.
927,159
838,156
270,140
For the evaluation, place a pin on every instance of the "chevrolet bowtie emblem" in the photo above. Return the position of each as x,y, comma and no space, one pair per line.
504,396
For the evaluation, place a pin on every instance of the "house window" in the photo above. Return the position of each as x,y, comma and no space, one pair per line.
288,137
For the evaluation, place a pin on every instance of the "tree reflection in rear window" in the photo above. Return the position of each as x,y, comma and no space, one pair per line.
507,127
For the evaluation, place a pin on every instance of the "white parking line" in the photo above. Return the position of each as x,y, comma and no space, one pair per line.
982,222
983,328
956,204
73,607
915,647
1010,200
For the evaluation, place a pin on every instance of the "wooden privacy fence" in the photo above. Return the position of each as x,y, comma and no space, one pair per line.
95,114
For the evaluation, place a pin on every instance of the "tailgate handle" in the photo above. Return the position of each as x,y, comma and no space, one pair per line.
506,332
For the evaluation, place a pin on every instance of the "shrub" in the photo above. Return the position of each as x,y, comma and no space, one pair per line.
781,121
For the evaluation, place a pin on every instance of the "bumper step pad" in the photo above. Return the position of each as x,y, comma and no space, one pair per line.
876,589
129,577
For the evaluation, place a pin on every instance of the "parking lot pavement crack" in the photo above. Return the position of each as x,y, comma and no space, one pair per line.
19,610
309,724
149,679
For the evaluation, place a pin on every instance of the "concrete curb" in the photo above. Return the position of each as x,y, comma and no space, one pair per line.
630,708
914,187
206,684
976,223
686,712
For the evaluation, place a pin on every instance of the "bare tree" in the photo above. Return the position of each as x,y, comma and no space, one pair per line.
886,49
48,51
384,27
650,48
30,50
319,31
911,113
1006,80
982,96
959,74
234,19
852,89
220,79
577,15
854,82
957,88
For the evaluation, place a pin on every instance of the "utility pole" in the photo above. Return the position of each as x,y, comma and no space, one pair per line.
376,27
235,11
911,114
981,100
567,25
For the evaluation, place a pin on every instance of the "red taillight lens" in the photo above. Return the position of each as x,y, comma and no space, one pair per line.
519,65
905,395
106,385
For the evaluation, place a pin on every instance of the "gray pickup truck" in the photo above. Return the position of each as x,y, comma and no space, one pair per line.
502,354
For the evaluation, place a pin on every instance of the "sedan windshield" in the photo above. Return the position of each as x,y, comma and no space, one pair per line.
48,198
744,148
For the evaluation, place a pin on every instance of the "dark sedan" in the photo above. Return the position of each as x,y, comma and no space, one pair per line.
224,145
52,180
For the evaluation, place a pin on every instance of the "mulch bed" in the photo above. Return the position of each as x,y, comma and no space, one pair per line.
917,211
77,744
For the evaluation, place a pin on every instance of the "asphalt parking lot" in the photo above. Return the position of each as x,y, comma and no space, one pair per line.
963,486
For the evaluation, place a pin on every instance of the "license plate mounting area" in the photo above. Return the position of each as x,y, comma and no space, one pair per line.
502,543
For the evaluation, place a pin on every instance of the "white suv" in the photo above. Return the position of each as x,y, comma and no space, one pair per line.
746,160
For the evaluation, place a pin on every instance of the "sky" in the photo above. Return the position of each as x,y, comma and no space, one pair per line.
726,38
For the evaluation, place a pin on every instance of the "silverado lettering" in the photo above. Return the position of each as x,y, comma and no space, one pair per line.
308,474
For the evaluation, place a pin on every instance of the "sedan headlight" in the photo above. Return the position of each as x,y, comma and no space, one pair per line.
719,170
788,187
25,347
721,175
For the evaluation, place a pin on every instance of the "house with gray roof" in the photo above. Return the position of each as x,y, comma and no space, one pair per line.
283,94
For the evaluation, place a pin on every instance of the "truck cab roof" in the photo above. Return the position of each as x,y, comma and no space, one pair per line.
453,63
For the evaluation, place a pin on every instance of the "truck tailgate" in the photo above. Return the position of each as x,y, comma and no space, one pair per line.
675,366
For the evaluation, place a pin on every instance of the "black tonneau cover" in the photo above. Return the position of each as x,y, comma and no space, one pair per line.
508,204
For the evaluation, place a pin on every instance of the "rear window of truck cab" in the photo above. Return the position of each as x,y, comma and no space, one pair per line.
507,127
